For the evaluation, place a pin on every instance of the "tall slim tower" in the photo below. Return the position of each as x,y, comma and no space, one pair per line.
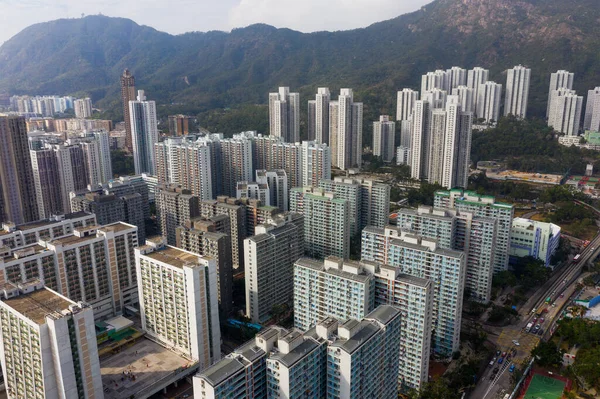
144,133
476,77
384,134
72,171
420,140
592,110
565,114
127,94
456,76
558,80
406,104
517,91
434,80
18,201
488,102
457,145
318,112
47,183
449,145
465,98
284,115
346,130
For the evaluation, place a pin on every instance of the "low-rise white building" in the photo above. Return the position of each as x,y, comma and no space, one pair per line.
533,238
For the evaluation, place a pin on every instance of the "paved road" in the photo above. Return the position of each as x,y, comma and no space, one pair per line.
560,290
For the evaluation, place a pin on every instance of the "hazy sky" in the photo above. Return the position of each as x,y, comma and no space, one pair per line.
179,16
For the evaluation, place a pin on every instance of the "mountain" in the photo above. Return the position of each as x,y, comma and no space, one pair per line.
198,72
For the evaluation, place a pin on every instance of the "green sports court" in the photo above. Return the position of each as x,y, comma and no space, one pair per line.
542,387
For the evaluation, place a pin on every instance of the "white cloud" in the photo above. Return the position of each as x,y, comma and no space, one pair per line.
179,16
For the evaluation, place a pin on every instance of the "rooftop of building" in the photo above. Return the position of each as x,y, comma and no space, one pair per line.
367,330
419,212
328,321
298,353
222,370
116,227
400,241
374,230
472,197
24,252
320,266
418,281
383,314
270,332
152,365
49,222
173,256
74,239
38,304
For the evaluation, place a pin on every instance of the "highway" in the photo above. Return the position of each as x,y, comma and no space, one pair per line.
560,290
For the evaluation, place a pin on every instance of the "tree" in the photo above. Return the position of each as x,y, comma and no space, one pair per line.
122,163
587,365
424,195
547,354
502,314
437,389
277,311
504,279
531,272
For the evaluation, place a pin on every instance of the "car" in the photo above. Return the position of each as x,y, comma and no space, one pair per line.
542,320
512,368
503,354
535,319
495,370
562,295
491,363
516,342
498,353
541,332
500,360
494,359
538,326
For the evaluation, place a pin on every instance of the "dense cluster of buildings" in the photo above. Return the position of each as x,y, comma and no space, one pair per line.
372,302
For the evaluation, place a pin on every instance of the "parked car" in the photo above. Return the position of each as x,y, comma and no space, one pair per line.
512,368
542,320
496,370
500,360
491,363
498,353
541,332
516,342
